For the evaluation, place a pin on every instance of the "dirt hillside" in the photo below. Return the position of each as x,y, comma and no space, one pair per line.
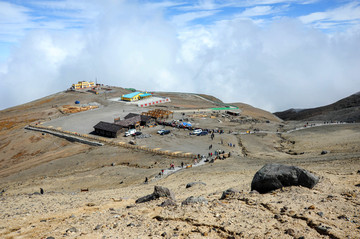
90,191
346,110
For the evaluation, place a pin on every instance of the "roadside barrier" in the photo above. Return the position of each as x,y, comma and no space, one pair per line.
100,141
154,102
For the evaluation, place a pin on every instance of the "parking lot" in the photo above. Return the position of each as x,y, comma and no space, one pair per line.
176,140
84,122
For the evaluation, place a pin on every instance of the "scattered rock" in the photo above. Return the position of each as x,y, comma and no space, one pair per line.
323,229
343,217
192,200
291,213
130,225
163,234
274,176
357,185
283,209
228,192
98,227
72,229
290,232
312,207
50,238
324,152
321,214
167,202
358,172
189,185
90,204
113,164
158,193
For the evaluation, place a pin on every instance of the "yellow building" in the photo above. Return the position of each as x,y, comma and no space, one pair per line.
83,85
136,96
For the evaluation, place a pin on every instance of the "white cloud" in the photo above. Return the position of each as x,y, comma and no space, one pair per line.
13,20
17,20
257,11
215,5
185,18
77,10
266,2
279,66
349,12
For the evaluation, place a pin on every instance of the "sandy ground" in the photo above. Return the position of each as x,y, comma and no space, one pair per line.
114,178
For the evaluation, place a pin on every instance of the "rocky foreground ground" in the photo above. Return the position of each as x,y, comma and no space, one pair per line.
91,192
329,210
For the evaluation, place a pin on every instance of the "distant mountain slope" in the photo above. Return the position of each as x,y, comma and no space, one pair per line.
347,110
256,113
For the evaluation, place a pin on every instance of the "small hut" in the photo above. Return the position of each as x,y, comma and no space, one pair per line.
108,129
132,121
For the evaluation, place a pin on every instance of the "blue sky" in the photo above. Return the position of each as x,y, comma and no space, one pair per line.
255,50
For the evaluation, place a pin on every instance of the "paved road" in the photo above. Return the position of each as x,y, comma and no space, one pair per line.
84,122
169,171
293,130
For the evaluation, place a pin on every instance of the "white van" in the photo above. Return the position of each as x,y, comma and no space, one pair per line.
130,132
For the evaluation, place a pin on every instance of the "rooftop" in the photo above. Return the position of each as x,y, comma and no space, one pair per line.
131,95
107,126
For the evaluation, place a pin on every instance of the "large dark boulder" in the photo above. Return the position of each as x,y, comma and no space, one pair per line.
274,176
158,193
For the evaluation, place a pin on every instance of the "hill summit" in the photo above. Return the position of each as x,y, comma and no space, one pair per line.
345,110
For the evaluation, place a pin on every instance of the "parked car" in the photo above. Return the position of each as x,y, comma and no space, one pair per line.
196,131
130,132
165,132
160,131
138,133
202,133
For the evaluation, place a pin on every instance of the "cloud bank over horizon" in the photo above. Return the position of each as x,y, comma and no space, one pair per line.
274,63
